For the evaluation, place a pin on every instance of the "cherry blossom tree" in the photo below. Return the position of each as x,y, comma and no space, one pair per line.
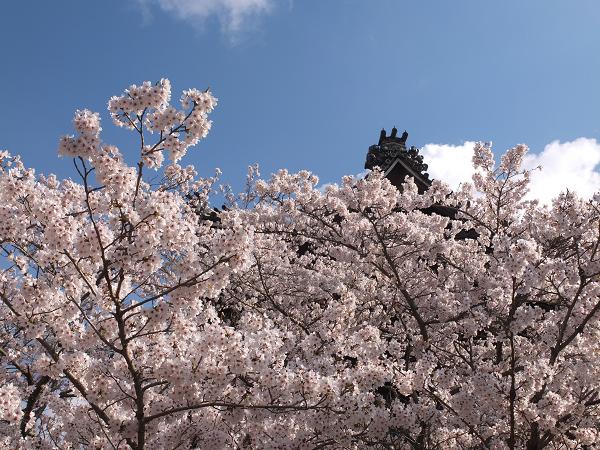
298,317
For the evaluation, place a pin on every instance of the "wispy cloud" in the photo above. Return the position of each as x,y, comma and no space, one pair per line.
235,16
569,165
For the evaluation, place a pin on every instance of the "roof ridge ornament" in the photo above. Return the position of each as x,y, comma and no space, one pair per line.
393,147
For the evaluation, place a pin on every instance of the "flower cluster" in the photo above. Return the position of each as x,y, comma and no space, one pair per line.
147,107
10,404
87,142
137,99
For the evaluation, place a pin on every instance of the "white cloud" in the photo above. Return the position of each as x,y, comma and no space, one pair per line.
570,165
234,15
449,163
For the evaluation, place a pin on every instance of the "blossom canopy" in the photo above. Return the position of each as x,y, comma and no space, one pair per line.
134,316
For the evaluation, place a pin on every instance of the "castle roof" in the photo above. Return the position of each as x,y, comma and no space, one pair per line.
397,161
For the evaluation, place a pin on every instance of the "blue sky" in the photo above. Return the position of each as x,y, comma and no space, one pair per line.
307,84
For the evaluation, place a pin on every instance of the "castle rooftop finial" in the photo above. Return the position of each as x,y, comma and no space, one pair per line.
382,136
391,148
404,137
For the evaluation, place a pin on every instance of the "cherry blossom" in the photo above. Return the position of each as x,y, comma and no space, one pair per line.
136,316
